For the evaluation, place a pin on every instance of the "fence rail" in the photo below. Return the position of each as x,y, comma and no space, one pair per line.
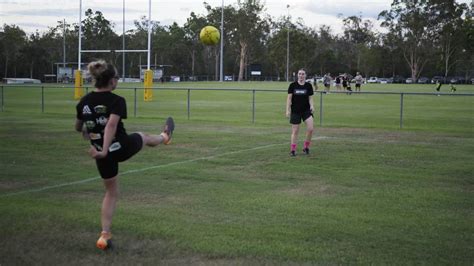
319,94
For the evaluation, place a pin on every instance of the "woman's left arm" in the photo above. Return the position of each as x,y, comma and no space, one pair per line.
78,125
311,104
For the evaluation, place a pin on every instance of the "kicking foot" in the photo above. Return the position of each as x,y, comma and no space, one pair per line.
105,241
168,131
292,153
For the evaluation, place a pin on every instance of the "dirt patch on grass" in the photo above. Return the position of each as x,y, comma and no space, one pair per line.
78,248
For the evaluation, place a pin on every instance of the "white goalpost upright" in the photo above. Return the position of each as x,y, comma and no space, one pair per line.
148,81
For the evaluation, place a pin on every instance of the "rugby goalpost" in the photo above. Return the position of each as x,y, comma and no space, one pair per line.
148,78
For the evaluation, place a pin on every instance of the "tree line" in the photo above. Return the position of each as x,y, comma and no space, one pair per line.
422,38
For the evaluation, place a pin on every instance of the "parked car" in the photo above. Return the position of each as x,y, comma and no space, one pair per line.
383,80
398,79
424,80
390,80
472,81
454,80
458,80
373,80
436,79
409,81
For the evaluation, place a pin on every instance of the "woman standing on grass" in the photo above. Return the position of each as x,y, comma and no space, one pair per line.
99,116
300,107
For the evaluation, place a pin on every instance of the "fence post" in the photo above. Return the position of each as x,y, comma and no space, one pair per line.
189,103
134,102
2,98
87,90
321,109
42,99
253,106
401,110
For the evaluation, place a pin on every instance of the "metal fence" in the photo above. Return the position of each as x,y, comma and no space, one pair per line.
319,94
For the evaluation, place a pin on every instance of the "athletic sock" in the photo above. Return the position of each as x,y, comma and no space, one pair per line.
293,147
306,144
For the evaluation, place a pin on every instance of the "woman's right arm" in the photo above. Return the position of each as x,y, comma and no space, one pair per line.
109,135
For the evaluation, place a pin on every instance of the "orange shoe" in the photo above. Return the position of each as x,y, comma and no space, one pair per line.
105,240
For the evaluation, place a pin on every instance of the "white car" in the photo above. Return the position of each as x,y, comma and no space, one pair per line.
373,80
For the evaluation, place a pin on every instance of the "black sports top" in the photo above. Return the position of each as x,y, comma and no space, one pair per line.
300,98
94,110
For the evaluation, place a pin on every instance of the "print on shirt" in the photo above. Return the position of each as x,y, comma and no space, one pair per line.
90,124
300,91
101,120
86,110
100,109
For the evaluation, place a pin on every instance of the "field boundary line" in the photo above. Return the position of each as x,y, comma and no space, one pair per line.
150,168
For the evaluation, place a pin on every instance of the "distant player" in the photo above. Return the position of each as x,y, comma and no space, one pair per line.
338,82
358,81
348,84
99,117
453,88
438,86
327,82
300,107
344,81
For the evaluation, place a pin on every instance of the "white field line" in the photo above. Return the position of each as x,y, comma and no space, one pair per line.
148,168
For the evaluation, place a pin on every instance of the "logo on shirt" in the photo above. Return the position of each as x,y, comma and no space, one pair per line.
90,124
300,92
86,110
94,136
100,109
101,120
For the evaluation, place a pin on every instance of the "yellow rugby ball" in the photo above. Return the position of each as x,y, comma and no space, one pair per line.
209,35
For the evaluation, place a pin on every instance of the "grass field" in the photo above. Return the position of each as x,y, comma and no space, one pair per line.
226,191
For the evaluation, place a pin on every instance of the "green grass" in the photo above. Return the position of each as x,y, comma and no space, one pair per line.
226,191
421,112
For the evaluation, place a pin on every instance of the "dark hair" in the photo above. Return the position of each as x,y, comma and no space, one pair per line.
302,69
102,72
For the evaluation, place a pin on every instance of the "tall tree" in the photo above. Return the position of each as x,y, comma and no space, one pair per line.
14,39
98,34
359,34
410,20
447,19
192,28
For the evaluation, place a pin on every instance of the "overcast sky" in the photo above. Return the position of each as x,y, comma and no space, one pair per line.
32,15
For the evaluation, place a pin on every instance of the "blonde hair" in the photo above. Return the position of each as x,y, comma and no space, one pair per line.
102,72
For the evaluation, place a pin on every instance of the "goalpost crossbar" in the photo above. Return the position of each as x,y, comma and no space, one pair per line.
117,51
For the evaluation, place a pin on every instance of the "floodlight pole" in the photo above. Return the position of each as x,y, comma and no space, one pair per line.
221,79
288,44
123,42
149,34
64,43
80,36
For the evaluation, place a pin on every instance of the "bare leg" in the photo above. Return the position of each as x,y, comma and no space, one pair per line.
294,134
153,140
109,202
309,128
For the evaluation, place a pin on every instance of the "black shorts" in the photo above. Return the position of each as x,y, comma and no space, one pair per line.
108,167
296,118
357,85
